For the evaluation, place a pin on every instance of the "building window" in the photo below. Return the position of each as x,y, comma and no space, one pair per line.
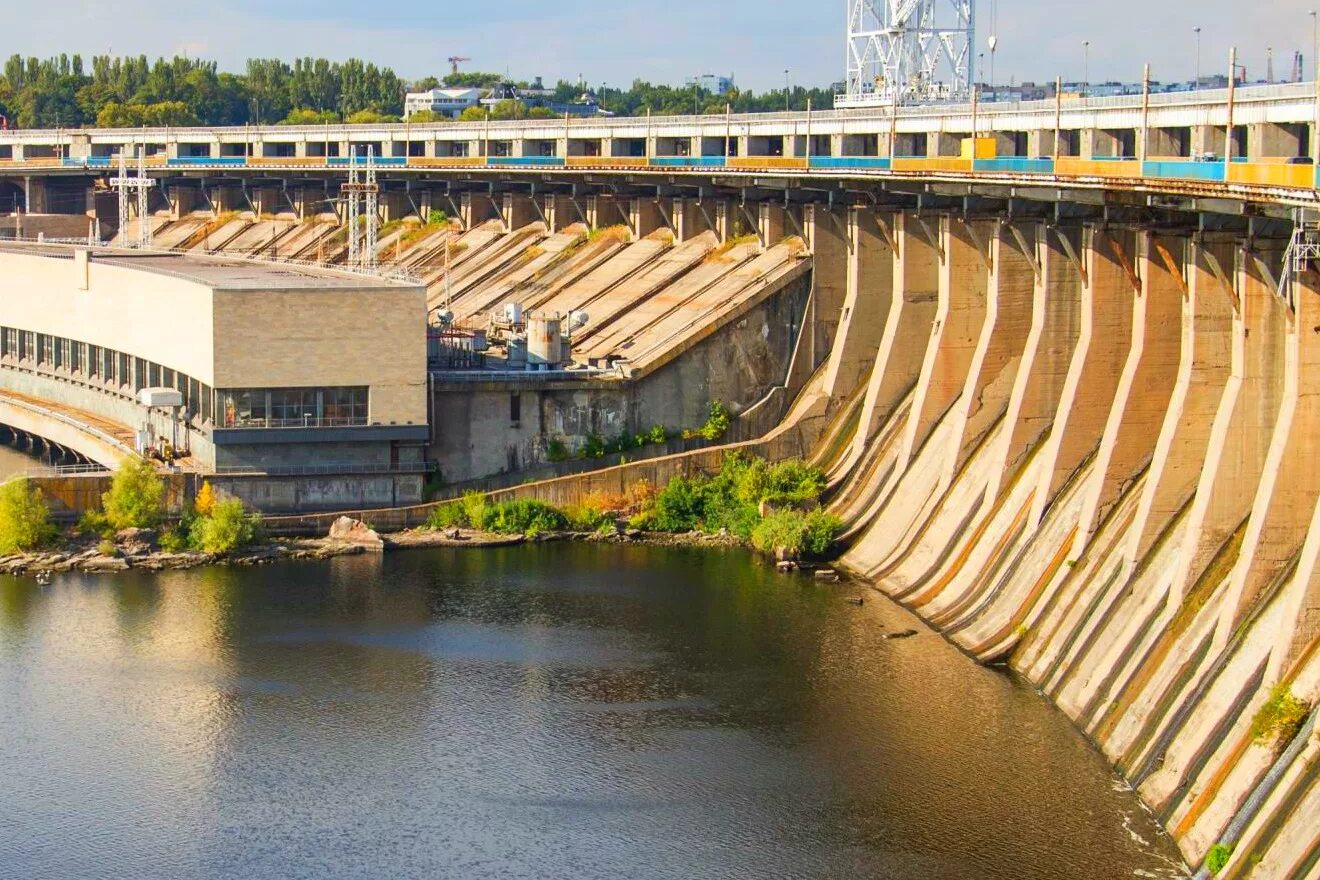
515,408
124,366
11,342
94,361
77,357
29,346
292,407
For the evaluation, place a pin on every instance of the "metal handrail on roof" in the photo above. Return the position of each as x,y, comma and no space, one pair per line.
386,273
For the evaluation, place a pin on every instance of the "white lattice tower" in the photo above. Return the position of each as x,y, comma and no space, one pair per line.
141,183
371,193
352,191
909,51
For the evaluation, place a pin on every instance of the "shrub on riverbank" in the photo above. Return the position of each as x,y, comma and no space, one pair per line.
517,517
24,517
136,499
772,505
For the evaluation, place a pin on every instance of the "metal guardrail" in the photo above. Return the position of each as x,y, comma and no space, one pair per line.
382,273
328,470
987,110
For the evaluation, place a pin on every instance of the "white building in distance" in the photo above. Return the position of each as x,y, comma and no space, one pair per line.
443,102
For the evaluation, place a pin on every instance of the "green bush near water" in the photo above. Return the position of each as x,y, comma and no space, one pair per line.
228,527
1279,717
24,517
517,517
1217,858
798,533
136,499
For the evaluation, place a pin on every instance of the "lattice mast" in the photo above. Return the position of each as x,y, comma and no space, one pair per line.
362,194
142,184
909,51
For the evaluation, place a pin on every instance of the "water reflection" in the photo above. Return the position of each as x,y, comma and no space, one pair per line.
555,711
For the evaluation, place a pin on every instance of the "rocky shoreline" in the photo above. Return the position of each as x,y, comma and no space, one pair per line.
137,549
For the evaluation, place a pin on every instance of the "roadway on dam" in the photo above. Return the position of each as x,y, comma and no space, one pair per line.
547,711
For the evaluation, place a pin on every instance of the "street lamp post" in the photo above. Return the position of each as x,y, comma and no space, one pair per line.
787,106
1086,68
1197,84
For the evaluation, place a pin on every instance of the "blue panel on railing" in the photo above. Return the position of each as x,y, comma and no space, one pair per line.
1015,165
872,162
1187,170
524,160
97,161
228,161
362,160
688,161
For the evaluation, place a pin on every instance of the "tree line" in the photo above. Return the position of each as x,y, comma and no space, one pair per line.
127,92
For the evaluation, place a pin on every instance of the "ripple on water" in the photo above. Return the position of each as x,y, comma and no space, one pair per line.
557,711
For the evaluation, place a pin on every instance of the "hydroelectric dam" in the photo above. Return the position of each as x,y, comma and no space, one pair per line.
1060,361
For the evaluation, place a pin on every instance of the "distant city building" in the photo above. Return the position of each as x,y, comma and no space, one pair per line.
536,95
442,102
713,83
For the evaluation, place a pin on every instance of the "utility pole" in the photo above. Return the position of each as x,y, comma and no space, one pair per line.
362,196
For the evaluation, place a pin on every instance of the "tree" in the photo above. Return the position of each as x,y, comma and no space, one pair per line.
227,528
369,117
309,117
542,113
136,498
509,109
473,114
24,517
422,117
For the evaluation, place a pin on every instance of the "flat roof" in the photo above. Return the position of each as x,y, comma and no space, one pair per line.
220,272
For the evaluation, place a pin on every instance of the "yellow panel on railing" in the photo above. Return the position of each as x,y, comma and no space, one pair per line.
445,161
1071,167
980,148
37,163
607,161
756,163
938,163
295,161
1299,176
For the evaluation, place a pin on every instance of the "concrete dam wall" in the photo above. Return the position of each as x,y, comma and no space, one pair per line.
1090,452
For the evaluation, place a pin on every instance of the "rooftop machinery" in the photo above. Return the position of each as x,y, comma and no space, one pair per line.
909,52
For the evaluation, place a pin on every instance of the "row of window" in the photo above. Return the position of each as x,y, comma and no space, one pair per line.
237,408
98,365
293,407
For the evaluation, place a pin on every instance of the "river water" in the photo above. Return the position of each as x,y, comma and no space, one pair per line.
555,711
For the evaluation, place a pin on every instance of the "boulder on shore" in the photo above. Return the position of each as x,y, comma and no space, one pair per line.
347,530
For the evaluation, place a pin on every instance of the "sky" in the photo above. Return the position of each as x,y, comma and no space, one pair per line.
617,41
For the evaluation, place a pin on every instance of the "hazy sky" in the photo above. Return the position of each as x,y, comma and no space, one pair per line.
664,41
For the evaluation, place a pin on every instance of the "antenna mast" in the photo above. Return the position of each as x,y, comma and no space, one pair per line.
909,52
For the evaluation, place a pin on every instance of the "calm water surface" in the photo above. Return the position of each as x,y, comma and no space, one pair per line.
559,711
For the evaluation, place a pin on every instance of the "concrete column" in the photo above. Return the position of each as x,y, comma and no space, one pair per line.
771,222
34,195
1290,480
916,267
1243,427
564,211
646,216
519,211
1205,354
1055,327
723,212
693,218
183,200
1102,348
998,353
395,206
959,317
1145,387
853,292
604,211
827,239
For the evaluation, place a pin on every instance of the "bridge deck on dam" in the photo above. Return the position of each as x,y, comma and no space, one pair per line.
93,436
